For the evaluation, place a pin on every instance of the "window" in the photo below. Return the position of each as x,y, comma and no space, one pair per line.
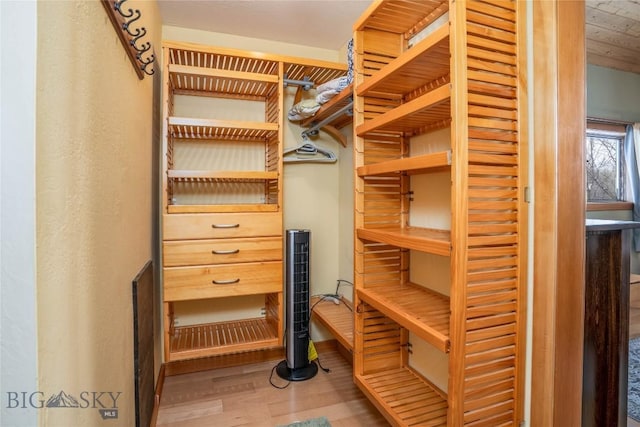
604,154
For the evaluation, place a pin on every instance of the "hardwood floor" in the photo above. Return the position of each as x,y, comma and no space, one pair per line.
243,396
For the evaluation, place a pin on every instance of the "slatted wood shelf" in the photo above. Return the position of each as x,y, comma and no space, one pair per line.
337,318
341,100
213,57
425,62
428,240
405,398
432,162
212,339
427,110
201,176
422,311
173,209
236,130
401,17
463,74
191,80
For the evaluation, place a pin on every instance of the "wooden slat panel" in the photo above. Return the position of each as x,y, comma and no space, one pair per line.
423,239
484,120
196,175
338,319
218,338
399,16
425,162
424,63
421,404
431,107
422,311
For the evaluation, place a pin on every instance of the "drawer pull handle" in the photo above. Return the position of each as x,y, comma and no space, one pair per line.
225,282
225,225
227,252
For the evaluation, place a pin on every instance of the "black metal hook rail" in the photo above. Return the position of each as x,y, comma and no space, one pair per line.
122,21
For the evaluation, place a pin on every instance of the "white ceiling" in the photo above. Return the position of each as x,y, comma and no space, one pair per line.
612,27
324,24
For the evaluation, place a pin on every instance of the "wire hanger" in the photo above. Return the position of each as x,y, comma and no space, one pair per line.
308,152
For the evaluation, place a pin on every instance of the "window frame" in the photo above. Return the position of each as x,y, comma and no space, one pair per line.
616,130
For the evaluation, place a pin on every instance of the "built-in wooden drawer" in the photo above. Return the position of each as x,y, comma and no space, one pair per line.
221,251
186,283
217,226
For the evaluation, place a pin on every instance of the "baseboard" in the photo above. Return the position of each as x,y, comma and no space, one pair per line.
223,361
334,344
244,358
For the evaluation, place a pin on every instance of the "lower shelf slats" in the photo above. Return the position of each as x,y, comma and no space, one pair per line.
405,397
423,311
337,318
224,337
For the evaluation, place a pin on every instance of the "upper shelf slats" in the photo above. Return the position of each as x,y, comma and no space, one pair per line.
420,65
401,16
216,58
417,164
187,175
428,240
190,128
430,108
318,74
186,78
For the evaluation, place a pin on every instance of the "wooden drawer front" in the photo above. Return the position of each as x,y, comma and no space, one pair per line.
185,283
216,226
221,251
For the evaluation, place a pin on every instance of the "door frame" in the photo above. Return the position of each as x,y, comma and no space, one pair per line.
559,212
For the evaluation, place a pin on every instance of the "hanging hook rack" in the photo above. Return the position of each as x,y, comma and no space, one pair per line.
129,36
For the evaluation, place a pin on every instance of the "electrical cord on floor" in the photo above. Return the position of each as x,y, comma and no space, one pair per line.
271,380
327,370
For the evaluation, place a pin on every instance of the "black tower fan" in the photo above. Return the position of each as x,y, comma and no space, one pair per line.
297,367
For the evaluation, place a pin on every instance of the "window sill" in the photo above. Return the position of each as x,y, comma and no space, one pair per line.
609,206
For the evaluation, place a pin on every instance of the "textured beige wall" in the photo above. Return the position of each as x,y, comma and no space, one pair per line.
93,197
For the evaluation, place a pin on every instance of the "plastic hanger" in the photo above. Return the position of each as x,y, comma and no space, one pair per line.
308,152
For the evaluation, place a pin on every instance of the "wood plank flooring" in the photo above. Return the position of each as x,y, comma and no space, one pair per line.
243,396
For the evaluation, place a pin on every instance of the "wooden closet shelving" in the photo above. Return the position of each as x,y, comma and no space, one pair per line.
429,240
222,220
463,76
337,318
429,319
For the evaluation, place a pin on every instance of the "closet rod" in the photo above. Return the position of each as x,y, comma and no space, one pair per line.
306,84
313,130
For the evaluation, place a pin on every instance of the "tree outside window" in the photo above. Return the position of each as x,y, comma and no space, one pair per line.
605,166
